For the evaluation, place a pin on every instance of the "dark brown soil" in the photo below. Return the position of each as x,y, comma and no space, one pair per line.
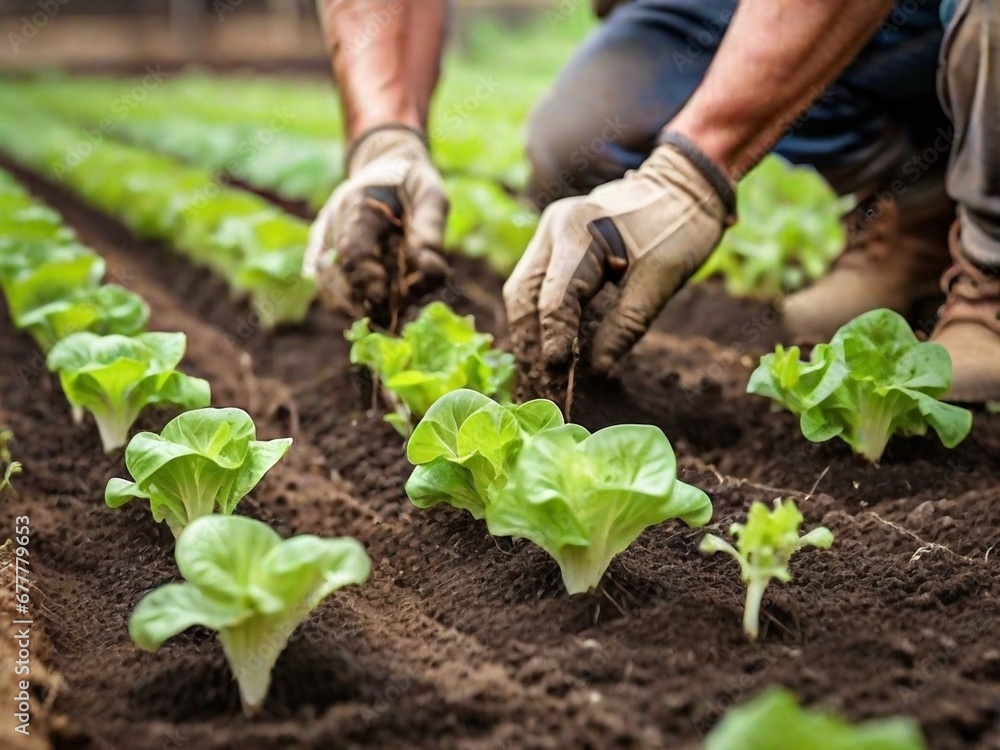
464,641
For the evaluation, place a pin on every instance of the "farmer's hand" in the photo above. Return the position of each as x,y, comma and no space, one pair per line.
381,229
647,233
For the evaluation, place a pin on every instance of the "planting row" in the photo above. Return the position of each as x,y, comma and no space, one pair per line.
582,497
485,221
94,333
789,227
585,497
244,581
252,244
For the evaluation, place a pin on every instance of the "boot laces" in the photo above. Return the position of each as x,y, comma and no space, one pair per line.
868,234
973,291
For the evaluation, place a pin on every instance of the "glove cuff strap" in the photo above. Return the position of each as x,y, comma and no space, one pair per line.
366,134
708,168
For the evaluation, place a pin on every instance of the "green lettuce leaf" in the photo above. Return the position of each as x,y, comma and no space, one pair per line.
203,461
43,272
436,354
774,721
279,293
765,544
585,498
789,232
243,581
104,310
115,377
465,447
873,380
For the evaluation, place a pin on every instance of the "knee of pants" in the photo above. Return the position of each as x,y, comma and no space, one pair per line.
568,160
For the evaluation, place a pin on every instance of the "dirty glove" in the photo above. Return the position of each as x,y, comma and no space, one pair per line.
647,233
379,233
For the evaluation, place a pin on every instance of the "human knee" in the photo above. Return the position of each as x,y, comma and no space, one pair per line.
572,155
550,150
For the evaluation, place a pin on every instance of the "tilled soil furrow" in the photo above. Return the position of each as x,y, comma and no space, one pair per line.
461,640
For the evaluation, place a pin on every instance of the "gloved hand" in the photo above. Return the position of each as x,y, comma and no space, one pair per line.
647,233
380,231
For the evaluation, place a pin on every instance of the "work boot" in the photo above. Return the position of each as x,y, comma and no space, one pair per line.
891,260
969,326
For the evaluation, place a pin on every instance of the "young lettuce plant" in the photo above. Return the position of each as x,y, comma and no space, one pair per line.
10,467
250,586
43,272
764,546
754,726
465,446
104,310
584,498
202,461
789,232
438,353
873,379
115,377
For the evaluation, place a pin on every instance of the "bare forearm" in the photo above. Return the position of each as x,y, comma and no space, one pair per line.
777,57
386,58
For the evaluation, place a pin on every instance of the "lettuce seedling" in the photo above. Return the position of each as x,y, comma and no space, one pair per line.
774,721
873,379
486,222
254,589
41,272
203,461
11,467
116,377
465,447
279,293
438,353
584,498
764,546
789,232
104,310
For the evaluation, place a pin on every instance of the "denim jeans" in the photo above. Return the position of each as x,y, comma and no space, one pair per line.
881,121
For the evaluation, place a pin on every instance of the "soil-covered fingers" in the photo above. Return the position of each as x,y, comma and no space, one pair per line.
426,270
521,293
363,240
425,216
645,290
318,264
585,254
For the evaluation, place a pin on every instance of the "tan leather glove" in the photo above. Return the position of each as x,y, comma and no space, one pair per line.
647,233
381,229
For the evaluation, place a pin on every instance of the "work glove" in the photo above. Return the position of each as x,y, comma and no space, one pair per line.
646,233
376,240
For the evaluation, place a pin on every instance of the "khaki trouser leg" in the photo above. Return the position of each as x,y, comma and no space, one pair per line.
970,93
